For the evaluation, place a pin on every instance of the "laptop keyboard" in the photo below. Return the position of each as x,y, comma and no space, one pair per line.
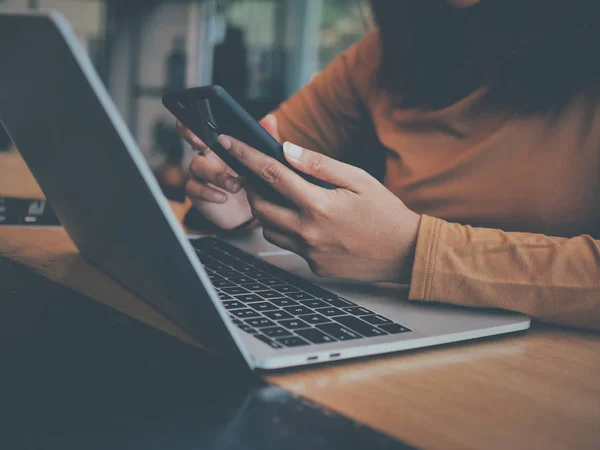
281,309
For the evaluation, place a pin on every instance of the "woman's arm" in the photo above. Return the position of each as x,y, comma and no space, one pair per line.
361,231
548,278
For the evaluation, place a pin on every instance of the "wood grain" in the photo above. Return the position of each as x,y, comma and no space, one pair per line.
539,389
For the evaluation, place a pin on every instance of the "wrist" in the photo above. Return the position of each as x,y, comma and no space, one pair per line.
408,247
226,216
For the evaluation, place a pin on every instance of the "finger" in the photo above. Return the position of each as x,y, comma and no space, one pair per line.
203,149
218,162
205,192
281,240
211,168
283,180
269,123
325,168
270,214
190,137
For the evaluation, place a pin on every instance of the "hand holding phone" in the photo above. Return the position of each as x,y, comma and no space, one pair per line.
213,187
203,113
208,167
210,111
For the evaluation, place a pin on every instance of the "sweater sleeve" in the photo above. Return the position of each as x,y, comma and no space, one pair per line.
331,114
548,278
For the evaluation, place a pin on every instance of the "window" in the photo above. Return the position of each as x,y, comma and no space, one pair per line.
343,22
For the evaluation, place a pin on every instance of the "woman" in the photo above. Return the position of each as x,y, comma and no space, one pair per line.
485,118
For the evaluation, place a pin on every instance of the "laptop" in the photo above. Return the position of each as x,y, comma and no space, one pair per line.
255,304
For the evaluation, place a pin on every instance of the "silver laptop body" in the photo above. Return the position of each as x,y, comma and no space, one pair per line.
60,116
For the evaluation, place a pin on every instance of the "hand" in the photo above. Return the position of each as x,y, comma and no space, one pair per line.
213,186
359,231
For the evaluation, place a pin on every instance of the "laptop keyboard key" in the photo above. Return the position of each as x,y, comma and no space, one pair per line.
270,281
268,341
251,272
314,303
223,257
260,322
298,310
360,326
339,332
224,296
254,286
236,290
294,324
330,311
278,315
315,336
247,328
281,302
300,295
263,306
244,313
222,283
213,266
292,341
339,302
268,294
241,280
233,304
358,311
395,328
227,273
248,298
275,332
259,275
316,318
376,319
285,288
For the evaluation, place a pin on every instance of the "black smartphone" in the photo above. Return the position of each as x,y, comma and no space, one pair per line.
210,111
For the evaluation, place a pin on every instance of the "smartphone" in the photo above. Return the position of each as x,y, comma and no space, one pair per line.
210,111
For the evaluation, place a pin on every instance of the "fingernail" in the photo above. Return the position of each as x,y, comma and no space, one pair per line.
232,185
219,197
271,119
224,141
212,157
292,151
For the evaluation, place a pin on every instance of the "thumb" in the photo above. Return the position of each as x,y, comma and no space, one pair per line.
325,168
269,123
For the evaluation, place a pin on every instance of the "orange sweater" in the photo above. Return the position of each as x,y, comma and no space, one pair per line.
511,205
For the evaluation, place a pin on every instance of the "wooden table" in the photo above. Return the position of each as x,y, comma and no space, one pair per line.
539,389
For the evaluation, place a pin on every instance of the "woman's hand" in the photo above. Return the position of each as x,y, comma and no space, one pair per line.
213,186
359,231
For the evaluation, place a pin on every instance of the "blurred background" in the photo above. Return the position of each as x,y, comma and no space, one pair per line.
262,51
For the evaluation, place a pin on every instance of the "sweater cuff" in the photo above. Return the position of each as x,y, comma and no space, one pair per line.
423,272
